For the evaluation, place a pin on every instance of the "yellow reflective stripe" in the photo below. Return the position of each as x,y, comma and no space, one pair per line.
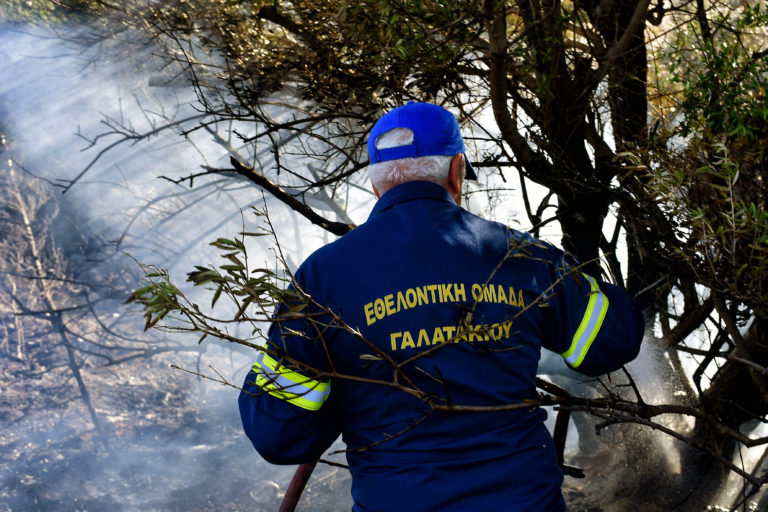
589,327
288,385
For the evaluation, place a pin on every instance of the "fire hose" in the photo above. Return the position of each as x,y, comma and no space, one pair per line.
296,487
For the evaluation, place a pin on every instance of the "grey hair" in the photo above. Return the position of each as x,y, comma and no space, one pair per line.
384,175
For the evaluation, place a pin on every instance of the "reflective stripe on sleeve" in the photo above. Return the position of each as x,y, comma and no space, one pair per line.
288,385
589,327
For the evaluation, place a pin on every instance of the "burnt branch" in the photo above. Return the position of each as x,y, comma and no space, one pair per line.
337,228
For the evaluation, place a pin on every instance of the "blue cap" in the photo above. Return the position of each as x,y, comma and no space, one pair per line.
435,132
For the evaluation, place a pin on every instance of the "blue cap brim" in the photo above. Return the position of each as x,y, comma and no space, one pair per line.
470,171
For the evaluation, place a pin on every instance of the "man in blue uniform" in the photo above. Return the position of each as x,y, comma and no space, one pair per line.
417,337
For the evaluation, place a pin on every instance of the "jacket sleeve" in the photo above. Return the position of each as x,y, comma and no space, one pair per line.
596,327
287,405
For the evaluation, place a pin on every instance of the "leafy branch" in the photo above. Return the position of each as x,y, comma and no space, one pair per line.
253,293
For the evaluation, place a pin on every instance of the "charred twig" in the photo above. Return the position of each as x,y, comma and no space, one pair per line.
337,228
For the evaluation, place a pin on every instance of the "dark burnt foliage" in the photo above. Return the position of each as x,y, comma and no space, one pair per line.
345,55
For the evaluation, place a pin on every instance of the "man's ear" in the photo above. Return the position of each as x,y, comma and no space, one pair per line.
456,177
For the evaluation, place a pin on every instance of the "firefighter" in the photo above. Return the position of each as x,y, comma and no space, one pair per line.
416,337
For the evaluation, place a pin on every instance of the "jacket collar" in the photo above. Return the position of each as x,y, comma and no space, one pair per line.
409,191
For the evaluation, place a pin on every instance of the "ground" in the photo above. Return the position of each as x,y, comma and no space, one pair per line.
168,442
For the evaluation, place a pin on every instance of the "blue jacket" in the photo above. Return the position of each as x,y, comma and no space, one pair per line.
463,307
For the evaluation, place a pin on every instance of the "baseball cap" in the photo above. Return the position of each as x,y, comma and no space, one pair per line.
435,132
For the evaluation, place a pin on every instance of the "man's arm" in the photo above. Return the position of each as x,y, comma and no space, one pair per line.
597,327
287,423
287,405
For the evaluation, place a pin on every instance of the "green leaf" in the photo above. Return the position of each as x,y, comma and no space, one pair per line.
216,295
